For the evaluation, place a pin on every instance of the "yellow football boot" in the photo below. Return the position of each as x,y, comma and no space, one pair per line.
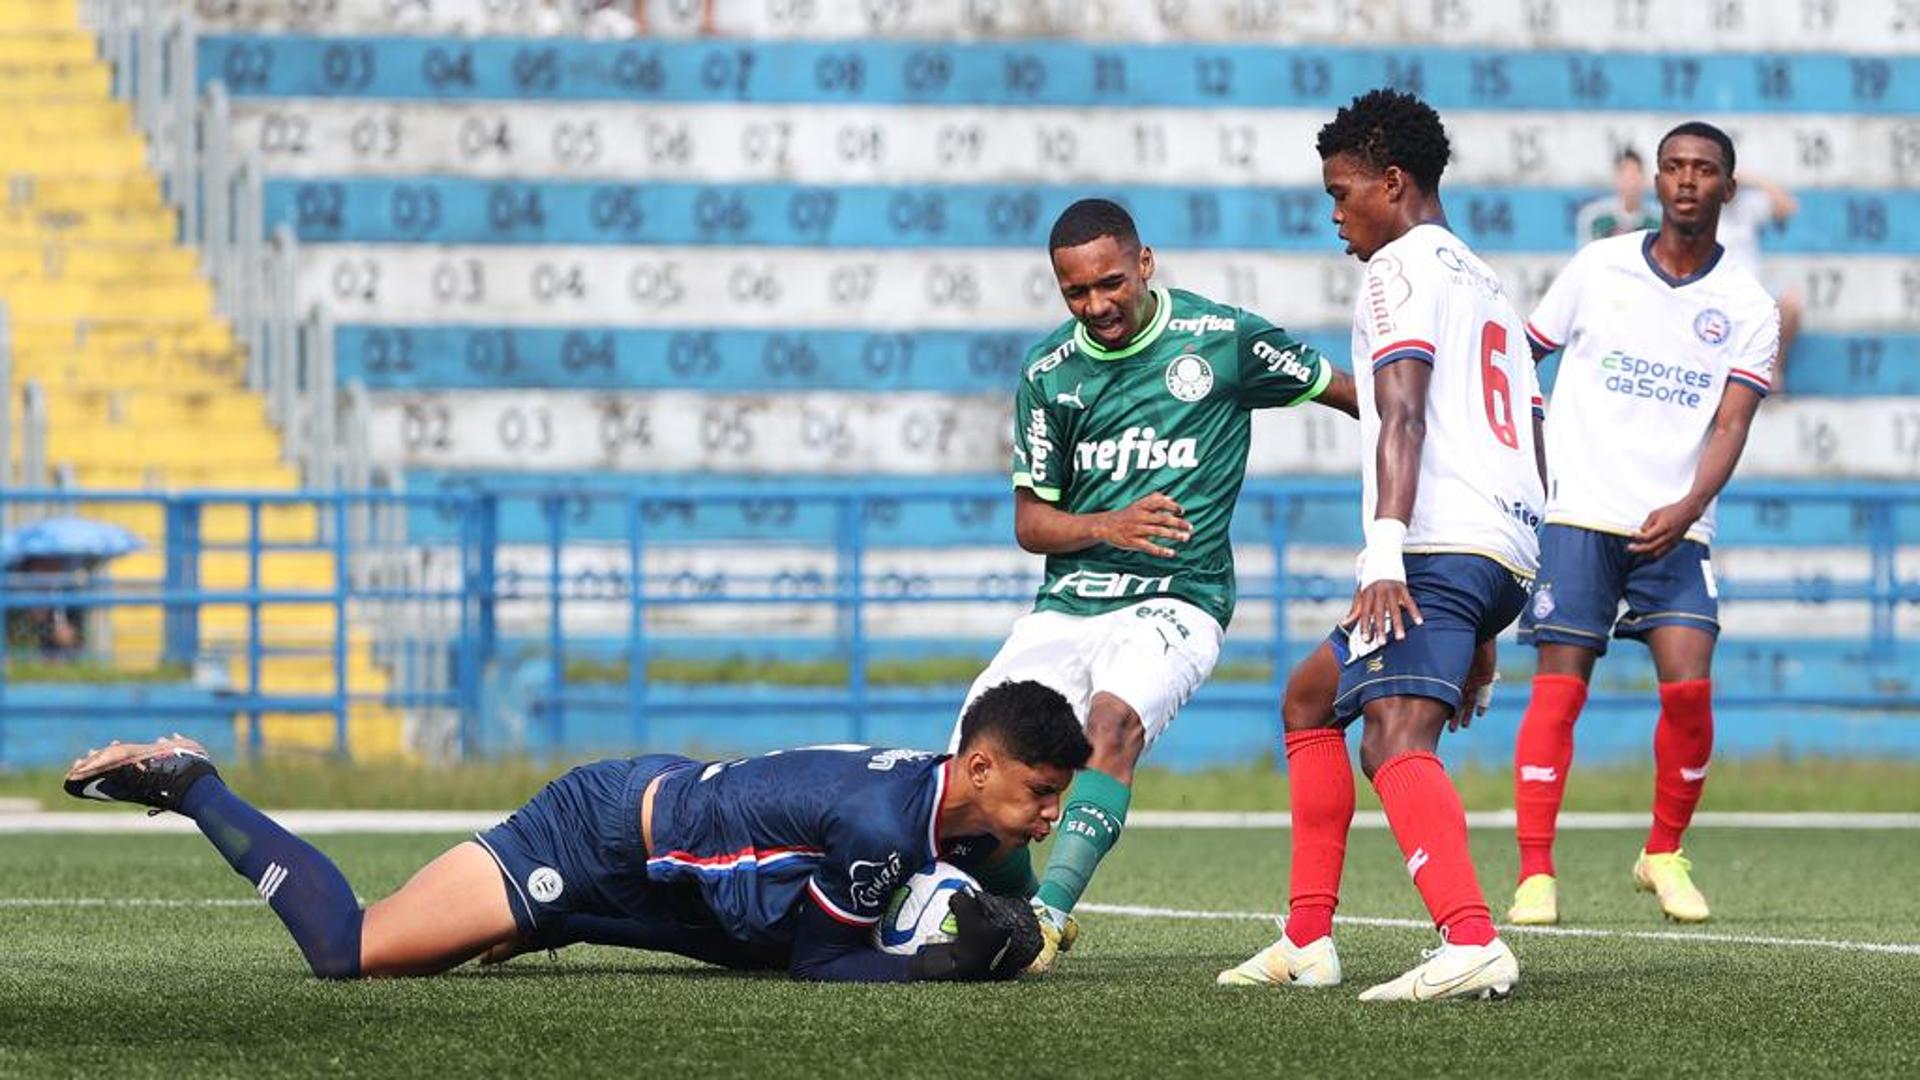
1668,876
1536,902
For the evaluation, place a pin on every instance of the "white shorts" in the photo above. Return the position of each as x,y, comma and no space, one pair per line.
1152,655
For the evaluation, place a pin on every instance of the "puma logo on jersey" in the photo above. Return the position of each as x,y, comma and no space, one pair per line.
1072,399
1136,448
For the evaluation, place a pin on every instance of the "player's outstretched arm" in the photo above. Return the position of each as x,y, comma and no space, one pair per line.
1148,524
1383,605
995,938
1668,525
828,950
1341,395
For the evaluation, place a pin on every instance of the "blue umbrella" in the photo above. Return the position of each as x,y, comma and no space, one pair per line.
74,539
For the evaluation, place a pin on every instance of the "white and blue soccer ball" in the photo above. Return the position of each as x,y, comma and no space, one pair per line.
918,915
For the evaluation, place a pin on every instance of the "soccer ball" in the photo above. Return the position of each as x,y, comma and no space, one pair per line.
917,916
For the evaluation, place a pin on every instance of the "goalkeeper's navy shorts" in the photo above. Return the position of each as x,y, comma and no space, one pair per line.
577,845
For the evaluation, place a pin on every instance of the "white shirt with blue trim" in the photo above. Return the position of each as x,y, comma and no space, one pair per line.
1428,299
1646,359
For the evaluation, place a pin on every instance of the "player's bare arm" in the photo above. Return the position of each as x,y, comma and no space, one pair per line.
1045,529
1382,605
1341,395
1668,525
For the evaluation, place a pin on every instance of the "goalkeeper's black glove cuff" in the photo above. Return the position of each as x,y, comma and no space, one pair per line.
935,963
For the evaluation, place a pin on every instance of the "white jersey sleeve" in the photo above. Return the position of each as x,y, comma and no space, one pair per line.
1752,366
1398,320
1554,316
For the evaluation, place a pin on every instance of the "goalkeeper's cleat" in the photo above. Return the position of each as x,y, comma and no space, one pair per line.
1313,965
1055,937
1536,902
1486,972
1668,876
155,774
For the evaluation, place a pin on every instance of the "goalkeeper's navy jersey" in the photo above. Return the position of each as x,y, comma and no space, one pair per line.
840,826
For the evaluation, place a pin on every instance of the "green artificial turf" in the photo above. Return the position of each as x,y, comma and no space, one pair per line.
1784,784
192,989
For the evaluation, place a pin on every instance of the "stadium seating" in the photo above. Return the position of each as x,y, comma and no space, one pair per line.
142,381
803,242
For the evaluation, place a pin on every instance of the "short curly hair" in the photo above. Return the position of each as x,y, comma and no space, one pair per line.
1089,220
1700,129
1031,721
1388,127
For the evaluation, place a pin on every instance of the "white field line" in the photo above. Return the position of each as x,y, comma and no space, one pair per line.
326,822
1503,819
1138,912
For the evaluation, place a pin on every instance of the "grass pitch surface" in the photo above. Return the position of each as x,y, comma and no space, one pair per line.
133,956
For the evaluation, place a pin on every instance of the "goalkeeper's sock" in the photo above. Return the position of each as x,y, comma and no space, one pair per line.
1427,819
302,886
1320,799
1541,757
1682,745
1010,875
1096,812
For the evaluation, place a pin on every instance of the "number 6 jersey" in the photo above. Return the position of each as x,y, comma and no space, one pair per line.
1428,299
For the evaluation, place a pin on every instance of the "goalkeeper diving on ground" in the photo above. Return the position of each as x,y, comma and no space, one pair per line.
784,861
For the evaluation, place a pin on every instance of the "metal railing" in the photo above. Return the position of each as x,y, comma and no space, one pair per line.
483,609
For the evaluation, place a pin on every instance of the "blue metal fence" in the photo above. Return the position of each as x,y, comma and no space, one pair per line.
477,617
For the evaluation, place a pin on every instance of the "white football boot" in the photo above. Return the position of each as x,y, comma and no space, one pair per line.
1455,971
1313,965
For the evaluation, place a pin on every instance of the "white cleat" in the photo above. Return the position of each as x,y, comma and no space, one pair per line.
1313,965
1455,971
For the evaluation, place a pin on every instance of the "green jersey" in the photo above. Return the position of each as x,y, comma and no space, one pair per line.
1606,217
1095,429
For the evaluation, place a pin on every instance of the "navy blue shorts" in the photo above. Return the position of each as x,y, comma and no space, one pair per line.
577,845
1464,600
1585,574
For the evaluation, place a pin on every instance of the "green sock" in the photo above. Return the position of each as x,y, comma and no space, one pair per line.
1096,811
1011,875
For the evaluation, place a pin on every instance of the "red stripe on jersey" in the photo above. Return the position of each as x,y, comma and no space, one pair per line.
1741,373
1546,342
1410,343
833,910
746,854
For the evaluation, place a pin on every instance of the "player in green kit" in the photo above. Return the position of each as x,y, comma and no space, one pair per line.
1130,434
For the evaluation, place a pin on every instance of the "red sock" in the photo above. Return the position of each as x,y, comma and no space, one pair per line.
1321,799
1427,819
1682,743
1541,757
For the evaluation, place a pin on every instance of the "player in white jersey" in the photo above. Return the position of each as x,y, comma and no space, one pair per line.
1667,349
1453,494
